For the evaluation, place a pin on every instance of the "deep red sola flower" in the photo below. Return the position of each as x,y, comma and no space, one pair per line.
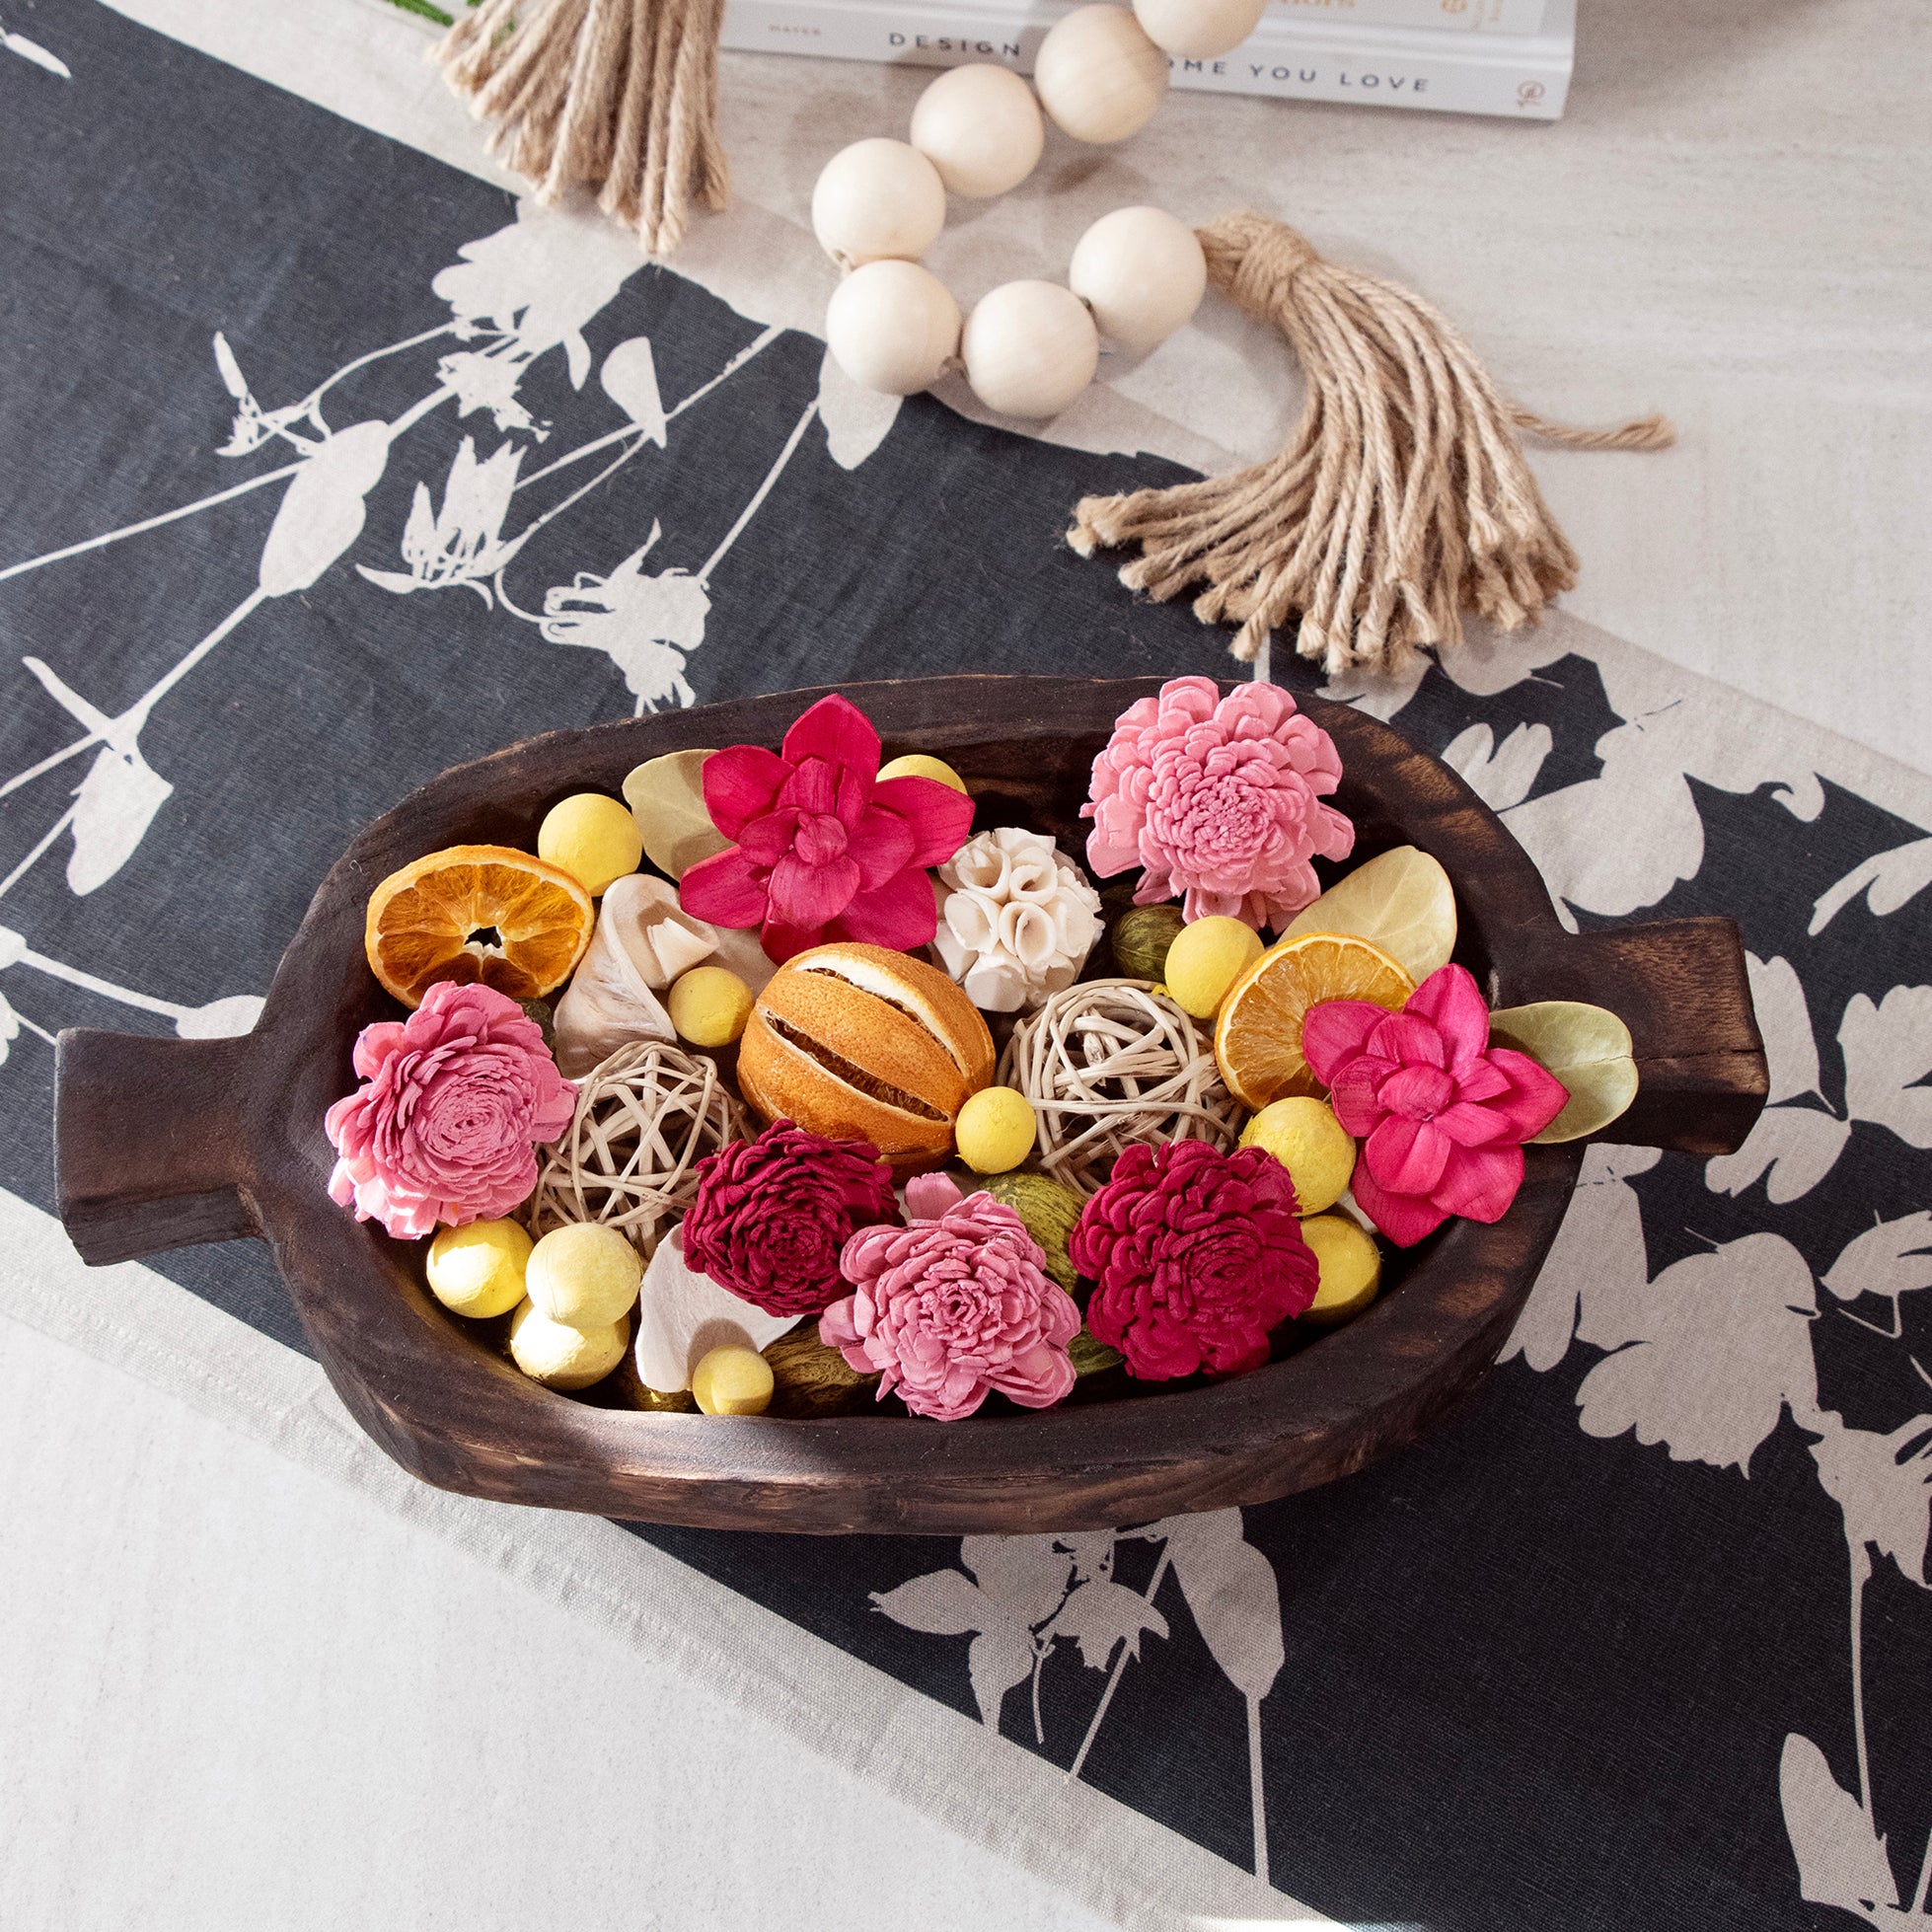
824,850
1440,1113
1219,798
772,1214
1195,1255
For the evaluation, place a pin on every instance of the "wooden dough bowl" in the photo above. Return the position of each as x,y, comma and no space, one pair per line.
167,1143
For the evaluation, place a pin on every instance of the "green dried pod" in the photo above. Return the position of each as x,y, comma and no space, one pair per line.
812,1380
1140,937
1091,1356
1049,1208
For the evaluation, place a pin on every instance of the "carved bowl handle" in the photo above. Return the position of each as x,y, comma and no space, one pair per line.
1681,987
149,1149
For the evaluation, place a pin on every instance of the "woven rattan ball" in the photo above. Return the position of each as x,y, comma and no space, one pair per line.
645,1117
1111,1061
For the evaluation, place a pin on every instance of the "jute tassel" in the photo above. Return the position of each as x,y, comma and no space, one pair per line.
1403,499
617,97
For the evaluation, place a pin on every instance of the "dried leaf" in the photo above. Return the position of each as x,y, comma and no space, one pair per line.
1587,1048
1400,901
666,797
1091,1356
1233,1596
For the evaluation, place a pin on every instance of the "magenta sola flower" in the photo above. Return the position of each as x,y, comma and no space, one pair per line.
1195,1254
823,849
1442,1115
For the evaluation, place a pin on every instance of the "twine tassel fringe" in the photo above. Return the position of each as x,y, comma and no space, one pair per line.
618,98
1402,498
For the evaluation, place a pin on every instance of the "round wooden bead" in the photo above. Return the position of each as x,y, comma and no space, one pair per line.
1098,74
1199,29
878,201
1142,274
892,327
1030,348
979,127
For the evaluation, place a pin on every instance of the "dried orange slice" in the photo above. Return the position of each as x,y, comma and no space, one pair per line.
488,912
1258,1035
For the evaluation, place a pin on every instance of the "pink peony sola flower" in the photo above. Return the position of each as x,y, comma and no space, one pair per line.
1195,1255
772,1214
455,1098
1440,1113
1218,798
823,849
954,1306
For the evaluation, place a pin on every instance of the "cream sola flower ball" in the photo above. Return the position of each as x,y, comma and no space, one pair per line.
1017,919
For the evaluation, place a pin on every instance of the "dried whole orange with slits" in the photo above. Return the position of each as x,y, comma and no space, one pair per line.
1259,1032
859,1043
471,913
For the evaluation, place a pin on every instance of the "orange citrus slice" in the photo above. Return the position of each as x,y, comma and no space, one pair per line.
1258,1035
488,912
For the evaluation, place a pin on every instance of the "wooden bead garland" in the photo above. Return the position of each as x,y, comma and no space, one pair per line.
1029,348
1110,1062
645,1117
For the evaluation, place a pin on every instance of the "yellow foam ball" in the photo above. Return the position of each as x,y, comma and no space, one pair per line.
584,1276
592,838
477,1269
995,1131
709,1006
922,764
1206,959
1314,1147
732,1382
1351,1268
561,1357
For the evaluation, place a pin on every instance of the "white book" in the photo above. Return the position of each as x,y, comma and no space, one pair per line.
1457,15
1519,76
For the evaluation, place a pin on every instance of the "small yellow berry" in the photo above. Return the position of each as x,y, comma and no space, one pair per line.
922,764
710,1007
995,1130
732,1382
1351,1268
477,1269
1206,959
1314,1147
584,1276
561,1357
592,838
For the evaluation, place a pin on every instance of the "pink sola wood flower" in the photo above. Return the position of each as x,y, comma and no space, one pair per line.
452,1101
954,1306
1442,1114
1220,800
824,850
